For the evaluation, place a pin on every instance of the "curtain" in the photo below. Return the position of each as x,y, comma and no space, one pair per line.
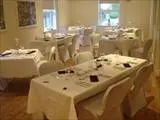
156,36
156,47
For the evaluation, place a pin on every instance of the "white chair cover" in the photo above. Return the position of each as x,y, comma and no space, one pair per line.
83,57
139,34
46,67
72,47
52,54
135,100
105,106
95,38
63,48
86,38
126,44
43,46
107,47
142,52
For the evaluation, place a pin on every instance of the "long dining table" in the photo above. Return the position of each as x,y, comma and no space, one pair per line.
57,94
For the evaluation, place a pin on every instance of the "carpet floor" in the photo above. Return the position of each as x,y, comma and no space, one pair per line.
13,104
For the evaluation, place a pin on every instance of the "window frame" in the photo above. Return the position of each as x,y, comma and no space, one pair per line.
53,28
99,12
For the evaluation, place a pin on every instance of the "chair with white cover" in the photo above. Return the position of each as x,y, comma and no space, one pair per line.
139,35
63,48
83,57
135,100
46,67
52,54
106,105
86,36
43,46
72,47
95,38
143,51
107,47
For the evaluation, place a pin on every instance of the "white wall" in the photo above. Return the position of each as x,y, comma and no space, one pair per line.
84,12
63,12
138,11
12,29
7,37
70,12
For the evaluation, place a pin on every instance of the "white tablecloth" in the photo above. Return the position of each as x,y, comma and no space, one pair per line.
83,33
56,95
19,64
123,43
56,40
45,45
76,29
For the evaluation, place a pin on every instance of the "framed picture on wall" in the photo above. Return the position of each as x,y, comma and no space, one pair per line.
2,21
26,13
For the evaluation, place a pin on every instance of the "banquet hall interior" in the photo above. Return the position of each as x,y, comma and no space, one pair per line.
79,59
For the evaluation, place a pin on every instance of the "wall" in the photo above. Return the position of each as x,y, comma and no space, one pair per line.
84,12
138,11
7,37
70,12
63,13
48,4
13,31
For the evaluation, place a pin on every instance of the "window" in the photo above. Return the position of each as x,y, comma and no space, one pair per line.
49,19
109,14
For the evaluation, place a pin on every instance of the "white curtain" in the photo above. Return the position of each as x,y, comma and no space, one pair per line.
156,37
156,46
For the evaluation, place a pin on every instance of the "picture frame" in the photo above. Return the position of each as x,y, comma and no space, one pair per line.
26,13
